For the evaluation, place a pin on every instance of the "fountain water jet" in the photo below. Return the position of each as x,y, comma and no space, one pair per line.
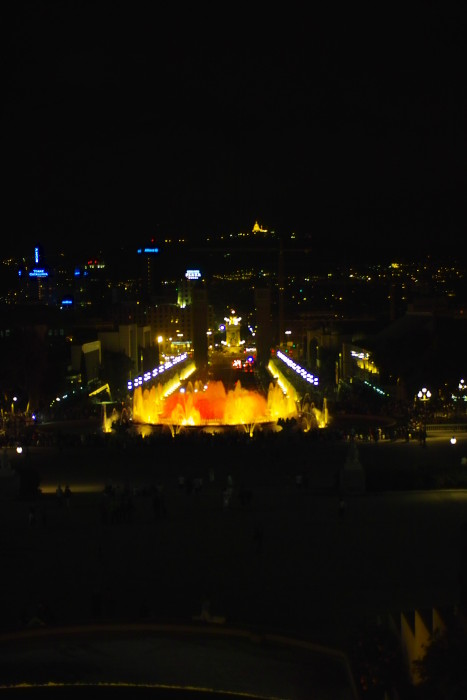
212,405
108,421
312,416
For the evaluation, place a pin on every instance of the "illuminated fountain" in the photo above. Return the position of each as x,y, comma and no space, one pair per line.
312,417
108,421
212,407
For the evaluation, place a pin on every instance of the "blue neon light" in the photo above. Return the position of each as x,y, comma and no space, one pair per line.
307,376
138,381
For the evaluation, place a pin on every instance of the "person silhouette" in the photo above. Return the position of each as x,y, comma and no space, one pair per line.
59,494
67,495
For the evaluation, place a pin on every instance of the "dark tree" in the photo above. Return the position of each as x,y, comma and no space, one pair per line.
115,371
31,368
443,669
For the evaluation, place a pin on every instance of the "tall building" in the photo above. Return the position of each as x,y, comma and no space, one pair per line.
199,310
264,325
185,287
148,269
34,278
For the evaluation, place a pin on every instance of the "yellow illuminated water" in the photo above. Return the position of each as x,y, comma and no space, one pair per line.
211,404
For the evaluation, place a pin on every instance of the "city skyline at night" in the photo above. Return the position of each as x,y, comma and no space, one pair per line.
121,126
233,321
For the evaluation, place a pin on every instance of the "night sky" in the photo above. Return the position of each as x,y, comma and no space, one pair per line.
123,123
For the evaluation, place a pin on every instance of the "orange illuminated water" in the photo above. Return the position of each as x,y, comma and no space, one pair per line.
211,405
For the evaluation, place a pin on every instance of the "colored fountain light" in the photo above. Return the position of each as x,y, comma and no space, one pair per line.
211,405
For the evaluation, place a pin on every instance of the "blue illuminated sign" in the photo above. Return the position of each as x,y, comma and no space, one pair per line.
38,272
147,250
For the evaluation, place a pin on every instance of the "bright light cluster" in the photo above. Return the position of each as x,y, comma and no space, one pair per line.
424,394
147,376
303,373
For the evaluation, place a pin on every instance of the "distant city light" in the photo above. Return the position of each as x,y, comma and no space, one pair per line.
360,355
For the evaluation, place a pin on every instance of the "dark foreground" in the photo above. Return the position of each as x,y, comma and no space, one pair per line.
281,561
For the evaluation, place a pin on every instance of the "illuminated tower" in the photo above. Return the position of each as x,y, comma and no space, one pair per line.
232,333
199,311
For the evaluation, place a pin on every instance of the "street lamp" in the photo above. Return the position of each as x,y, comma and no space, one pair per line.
424,395
462,390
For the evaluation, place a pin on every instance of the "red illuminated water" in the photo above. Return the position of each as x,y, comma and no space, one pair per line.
211,405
